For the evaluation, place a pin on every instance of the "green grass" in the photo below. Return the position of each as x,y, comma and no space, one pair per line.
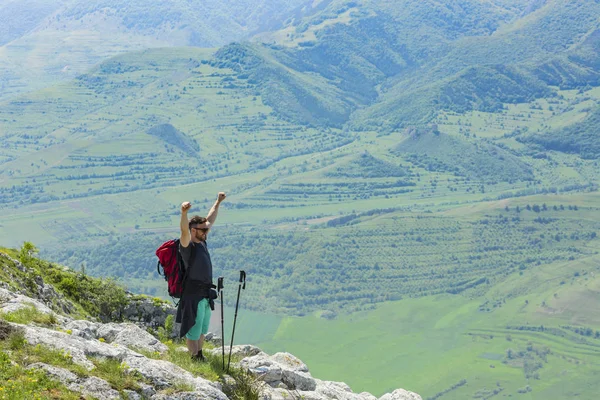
17,382
117,374
28,315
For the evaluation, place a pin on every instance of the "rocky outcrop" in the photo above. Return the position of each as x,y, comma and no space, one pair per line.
283,376
147,312
125,334
144,311
161,374
37,289
278,377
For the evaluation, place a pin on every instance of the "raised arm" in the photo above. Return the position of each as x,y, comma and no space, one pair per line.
212,214
185,237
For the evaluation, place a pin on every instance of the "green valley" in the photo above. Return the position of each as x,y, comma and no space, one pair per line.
412,187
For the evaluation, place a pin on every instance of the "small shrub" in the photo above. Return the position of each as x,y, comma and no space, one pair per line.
16,340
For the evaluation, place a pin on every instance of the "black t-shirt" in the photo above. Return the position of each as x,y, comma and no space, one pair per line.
201,270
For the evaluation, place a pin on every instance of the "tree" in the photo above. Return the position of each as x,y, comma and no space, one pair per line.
27,252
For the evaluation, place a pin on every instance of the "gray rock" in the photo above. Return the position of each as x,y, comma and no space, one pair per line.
95,387
261,365
246,350
85,329
289,361
6,295
367,396
131,395
281,367
91,386
400,394
229,384
60,374
184,396
126,334
164,374
340,391
10,302
78,347
299,380
147,312
285,394
147,390
136,338
109,332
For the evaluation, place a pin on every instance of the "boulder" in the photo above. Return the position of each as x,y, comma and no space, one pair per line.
60,374
147,312
135,338
128,335
95,387
340,391
83,328
400,394
245,350
280,368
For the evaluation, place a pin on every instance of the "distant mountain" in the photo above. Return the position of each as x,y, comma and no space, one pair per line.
389,65
349,110
47,41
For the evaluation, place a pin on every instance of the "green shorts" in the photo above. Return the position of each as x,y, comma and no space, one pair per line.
202,321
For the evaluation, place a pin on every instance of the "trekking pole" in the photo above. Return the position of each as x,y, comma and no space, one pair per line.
220,290
237,302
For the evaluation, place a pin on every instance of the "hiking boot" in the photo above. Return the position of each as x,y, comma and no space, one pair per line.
199,357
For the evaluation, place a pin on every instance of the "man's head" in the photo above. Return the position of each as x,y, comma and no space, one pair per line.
199,228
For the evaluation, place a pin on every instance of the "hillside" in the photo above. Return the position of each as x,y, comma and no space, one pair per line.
421,174
43,42
45,352
188,126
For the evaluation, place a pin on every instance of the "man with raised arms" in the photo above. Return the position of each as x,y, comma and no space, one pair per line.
194,309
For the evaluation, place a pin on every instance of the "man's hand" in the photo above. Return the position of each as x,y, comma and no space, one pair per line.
221,196
185,206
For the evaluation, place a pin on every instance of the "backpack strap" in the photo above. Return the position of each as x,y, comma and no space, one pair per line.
182,269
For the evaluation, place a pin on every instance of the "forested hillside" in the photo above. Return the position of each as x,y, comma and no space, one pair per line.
110,154
43,42
431,164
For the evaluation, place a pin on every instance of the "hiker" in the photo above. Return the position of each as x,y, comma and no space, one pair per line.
194,309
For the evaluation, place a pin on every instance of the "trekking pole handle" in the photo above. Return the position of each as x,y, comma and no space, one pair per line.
243,278
220,284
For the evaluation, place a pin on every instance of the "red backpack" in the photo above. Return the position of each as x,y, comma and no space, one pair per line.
171,262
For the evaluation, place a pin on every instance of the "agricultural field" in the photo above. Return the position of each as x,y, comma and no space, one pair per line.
534,335
412,196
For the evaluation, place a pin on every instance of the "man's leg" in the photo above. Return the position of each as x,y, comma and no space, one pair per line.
194,337
205,323
192,346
